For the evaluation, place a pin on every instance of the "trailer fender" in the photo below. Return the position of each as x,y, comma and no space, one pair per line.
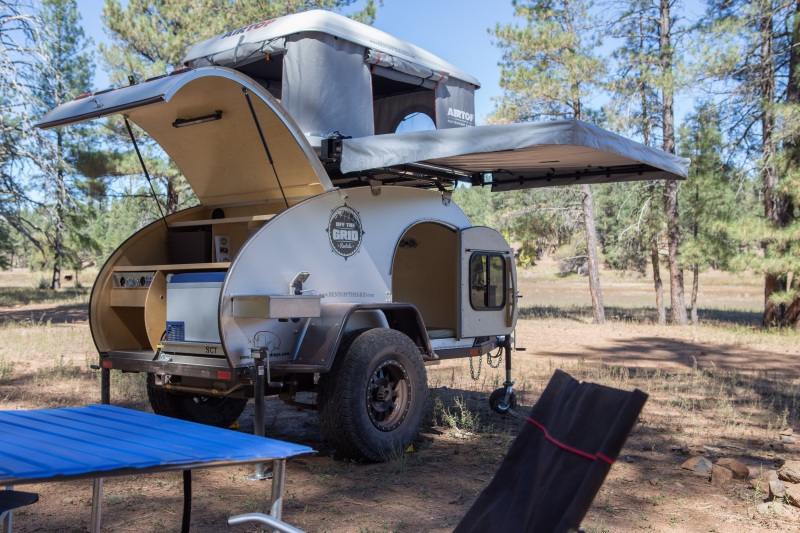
325,334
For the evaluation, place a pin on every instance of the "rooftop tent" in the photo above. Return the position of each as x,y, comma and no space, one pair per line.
203,121
510,156
333,74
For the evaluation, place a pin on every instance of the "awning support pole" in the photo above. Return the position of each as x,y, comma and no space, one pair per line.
264,143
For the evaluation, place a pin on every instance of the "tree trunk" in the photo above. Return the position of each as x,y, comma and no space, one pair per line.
695,284
653,223
780,208
695,265
172,196
659,286
60,207
792,316
56,283
783,205
587,202
677,305
677,302
769,174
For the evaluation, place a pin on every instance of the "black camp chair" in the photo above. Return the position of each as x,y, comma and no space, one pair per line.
13,499
559,460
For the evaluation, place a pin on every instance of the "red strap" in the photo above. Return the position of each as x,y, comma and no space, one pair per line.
375,64
568,448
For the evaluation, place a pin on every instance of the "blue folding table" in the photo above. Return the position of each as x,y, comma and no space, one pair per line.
98,441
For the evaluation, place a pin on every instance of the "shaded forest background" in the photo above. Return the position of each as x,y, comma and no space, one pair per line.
69,197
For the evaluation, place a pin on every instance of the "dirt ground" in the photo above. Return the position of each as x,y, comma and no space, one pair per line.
463,442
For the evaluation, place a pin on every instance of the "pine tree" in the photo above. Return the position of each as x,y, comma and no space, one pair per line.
710,198
650,69
548,71
667,71
65,71
787,215
21,49
756,61
634,111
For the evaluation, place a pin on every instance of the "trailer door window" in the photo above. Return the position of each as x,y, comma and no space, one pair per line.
487,281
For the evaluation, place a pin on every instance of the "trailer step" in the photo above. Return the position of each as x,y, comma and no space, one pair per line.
178,365
470,351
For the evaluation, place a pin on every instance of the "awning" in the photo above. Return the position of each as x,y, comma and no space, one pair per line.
518,156
202,120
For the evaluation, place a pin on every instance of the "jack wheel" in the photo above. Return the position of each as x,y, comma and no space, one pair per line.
496,399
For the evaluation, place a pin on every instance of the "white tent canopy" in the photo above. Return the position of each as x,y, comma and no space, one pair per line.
518,156
333,74
253,41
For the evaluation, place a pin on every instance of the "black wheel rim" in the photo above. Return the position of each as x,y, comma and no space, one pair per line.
388,395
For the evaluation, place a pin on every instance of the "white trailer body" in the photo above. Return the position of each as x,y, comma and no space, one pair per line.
317,262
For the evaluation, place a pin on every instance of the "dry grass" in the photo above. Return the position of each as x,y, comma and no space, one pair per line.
24,287
719,291
732,413
19,296
48,365
22,277
724,384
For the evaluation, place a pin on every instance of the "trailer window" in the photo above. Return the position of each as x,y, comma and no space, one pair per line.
487,281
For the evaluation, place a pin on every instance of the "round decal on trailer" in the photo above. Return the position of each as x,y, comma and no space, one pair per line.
345,231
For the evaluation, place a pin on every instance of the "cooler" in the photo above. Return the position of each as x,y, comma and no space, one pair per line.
193,306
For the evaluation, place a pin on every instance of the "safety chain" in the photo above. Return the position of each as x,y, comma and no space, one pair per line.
499,358
472,369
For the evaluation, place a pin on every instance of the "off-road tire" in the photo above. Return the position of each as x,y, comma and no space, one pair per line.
209,410
372,402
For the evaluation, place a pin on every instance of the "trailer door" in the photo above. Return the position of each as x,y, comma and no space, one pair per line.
488,284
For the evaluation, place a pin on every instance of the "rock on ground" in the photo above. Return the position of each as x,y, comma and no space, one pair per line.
698,464
720,475
790,471
739,469
793,495
776,509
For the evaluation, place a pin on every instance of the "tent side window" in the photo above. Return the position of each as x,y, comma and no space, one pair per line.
487,281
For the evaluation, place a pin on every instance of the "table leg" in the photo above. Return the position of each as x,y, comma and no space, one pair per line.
278,470
97,505
187,501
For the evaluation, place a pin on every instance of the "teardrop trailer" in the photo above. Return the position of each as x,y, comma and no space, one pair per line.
325,254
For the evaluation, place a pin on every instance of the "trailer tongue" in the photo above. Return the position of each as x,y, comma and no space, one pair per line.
325,264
